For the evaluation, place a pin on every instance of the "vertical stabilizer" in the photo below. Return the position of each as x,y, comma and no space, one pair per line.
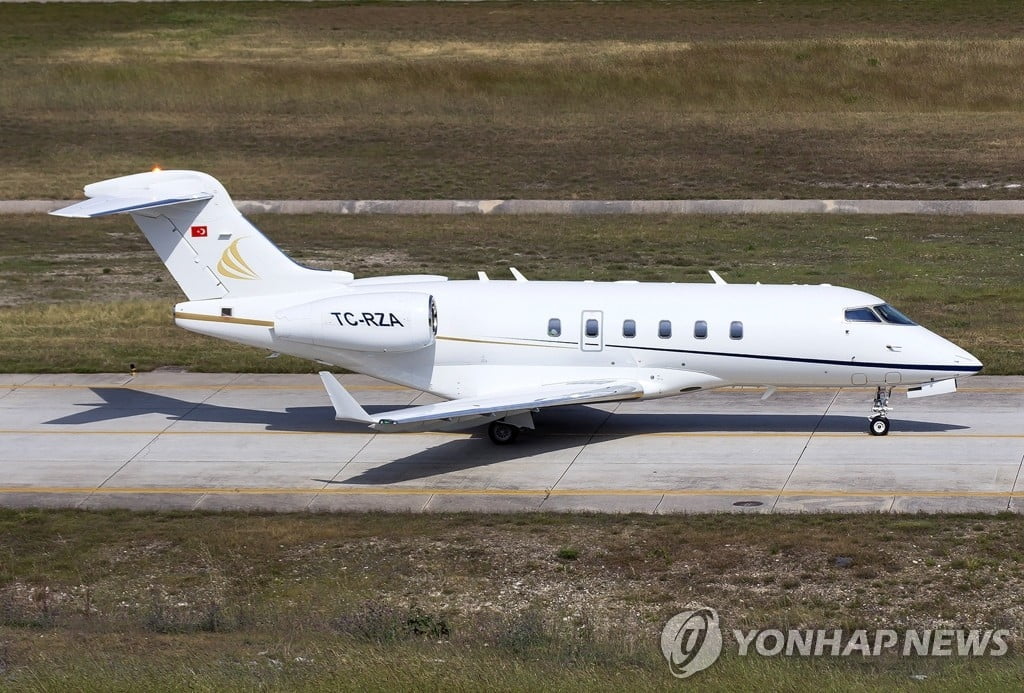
209,248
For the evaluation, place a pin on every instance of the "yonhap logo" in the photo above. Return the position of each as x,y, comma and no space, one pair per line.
691,641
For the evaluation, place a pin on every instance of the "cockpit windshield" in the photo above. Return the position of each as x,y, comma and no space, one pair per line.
881,313
861,315
890,314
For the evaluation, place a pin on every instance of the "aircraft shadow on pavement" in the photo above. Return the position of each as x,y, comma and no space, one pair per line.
570,431
460,455
761,423
122,403
558,429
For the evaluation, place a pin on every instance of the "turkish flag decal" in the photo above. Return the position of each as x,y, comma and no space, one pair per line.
199,232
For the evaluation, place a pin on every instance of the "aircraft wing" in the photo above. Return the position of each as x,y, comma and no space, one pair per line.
472,411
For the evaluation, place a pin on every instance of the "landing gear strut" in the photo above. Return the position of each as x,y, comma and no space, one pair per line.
502,433
879,424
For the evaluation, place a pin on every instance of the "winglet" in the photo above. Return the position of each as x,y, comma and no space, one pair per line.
345,406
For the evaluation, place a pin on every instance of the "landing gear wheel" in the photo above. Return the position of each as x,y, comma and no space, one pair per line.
879,426
880,409
502,433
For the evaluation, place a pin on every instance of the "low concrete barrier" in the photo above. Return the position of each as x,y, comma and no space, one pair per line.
585,207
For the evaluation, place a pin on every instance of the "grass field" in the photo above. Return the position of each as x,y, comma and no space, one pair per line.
520,602
520,100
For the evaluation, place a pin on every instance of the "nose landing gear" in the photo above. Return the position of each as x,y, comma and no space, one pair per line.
879,422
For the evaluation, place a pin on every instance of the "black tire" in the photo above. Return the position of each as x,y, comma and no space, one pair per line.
879,426
502,433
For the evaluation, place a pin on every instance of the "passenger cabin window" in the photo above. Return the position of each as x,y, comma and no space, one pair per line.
700,329
665,329
629,328
736,330
861,315
554,327
590,329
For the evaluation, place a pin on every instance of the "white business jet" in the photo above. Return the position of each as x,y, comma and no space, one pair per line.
499,351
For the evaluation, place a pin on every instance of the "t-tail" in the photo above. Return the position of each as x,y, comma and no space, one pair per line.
209,248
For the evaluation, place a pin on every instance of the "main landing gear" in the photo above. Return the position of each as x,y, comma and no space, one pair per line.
879,424
502,433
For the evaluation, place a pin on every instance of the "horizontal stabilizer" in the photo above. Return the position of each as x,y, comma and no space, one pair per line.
475,410
103,206
209,248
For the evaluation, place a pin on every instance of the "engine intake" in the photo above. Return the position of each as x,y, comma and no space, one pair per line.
380,322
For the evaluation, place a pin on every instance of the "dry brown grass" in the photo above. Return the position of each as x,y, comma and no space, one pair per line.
709,99
357,601
610,78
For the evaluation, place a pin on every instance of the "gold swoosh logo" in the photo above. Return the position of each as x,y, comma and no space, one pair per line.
232,265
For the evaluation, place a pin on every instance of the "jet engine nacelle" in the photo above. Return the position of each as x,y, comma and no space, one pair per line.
379,322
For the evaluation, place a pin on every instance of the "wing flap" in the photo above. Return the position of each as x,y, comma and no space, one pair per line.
496,406
474,410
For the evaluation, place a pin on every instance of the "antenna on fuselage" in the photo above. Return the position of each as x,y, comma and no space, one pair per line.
718,279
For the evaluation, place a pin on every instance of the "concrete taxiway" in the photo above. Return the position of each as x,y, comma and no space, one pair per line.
269,442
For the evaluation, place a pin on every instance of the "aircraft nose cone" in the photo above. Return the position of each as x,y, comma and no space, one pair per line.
967,360
958,361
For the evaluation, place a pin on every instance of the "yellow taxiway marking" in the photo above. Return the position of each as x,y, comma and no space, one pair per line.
419,491
456,434
142,387
67,431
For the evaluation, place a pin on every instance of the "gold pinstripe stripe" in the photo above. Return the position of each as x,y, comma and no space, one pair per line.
222,318
506,342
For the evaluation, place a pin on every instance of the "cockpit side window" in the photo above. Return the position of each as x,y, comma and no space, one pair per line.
861,315
890,314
